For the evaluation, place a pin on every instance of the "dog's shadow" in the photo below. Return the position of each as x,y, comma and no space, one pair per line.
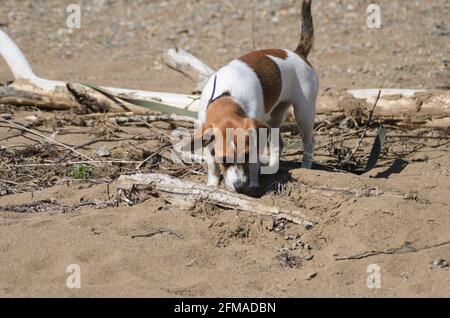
397,167
276,183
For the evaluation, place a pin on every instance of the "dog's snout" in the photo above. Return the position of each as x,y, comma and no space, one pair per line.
236,178
241,186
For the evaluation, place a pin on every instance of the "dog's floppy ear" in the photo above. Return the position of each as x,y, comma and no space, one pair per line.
202,137
256,124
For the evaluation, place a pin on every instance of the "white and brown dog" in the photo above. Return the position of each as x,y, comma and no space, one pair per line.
254,92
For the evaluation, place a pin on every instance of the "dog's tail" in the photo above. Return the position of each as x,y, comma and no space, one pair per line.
307,37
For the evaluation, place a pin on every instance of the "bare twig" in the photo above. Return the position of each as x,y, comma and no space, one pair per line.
406,248
20,127
158,231
153,155
352,154
72,163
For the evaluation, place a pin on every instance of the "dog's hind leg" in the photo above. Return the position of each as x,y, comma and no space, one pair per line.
305,113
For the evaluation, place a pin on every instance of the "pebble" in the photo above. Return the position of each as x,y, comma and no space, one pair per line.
32,118
103,152
310,275
441,263
7,116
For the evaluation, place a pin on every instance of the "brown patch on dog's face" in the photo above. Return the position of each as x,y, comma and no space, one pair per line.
268,73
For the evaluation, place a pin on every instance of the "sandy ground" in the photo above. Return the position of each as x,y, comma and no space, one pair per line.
210,251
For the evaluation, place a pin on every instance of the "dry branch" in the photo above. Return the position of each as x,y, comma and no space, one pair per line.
28,97
158,231
93,100
53,141
363,135
26,80
186,194
150,118
407,108
189,65
406,248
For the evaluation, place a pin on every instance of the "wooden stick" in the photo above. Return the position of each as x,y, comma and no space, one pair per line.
186,194
188,65
406,248
73,163
352,154
93,100
27,97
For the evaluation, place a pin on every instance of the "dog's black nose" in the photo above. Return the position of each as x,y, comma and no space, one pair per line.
240,187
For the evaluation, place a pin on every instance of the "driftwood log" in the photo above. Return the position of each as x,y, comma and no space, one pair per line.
52,94
186,194
33,97
189,65
401,107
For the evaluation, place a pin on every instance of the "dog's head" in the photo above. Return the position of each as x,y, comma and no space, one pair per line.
234,143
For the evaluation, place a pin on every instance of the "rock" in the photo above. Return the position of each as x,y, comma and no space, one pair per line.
32,118
441,263
289,260
6,116
290,237
310,275
103,152
96,231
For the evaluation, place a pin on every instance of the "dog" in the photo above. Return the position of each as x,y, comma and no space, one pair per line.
254,92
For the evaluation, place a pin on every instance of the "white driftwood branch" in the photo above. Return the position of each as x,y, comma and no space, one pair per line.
189,65
186,194
18,64
13,96
27,80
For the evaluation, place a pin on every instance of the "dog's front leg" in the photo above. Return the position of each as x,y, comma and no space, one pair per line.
213,174
275,148
254,174
213,170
